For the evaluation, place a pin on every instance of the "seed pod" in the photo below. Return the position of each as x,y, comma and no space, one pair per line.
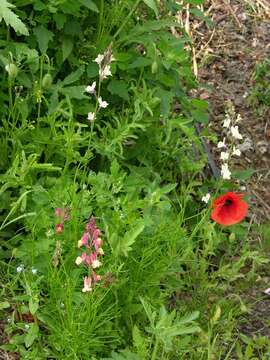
47,81
154,67
12,70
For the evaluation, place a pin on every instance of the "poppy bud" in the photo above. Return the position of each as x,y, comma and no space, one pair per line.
47,81
12,70
154,67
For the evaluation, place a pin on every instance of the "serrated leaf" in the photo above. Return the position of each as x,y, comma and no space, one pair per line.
130,237
43,36
11,18
90,5
152,5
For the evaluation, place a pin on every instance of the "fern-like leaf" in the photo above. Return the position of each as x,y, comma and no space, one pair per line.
11,18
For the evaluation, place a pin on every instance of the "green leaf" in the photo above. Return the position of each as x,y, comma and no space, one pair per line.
130,237
243,174
67,46
120,88
140,62
33,306
74,92
11,18
32,335
152,5
4,305
43,36
89,4
71,78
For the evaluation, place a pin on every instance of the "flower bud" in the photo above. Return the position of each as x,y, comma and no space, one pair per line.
12,70
47,81
154,67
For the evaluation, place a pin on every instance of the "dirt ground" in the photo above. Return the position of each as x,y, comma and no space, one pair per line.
227,55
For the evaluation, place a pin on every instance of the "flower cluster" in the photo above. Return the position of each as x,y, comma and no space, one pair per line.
104,63
63,216
228,145
92,242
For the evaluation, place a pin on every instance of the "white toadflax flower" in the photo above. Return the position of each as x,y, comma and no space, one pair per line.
224,155
104,73
227,122
221,144
34,271
235,133
90,89
20,268
102,104
225,172
99,59
206,198
236,151
91,116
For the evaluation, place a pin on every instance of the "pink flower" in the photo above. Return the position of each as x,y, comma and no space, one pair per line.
84,240
59,228
95,263
96,277
87,282
96,234
58,212
91,225
97,243
86,259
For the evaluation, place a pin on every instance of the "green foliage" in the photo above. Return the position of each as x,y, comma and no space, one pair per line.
136,168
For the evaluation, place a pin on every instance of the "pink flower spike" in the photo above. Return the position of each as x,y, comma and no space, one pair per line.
59,228
87,282
96,277
84,240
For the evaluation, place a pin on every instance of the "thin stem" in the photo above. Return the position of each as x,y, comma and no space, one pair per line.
154,354
127,19
101,13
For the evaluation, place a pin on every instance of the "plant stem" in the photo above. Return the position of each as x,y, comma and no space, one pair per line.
154,354
127,19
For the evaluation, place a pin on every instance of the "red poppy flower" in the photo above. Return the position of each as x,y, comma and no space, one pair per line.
229,209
